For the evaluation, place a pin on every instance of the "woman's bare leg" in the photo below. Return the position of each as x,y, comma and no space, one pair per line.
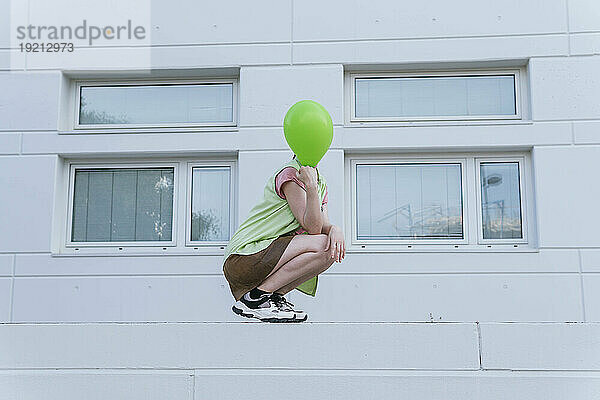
298,245
304,257
294,284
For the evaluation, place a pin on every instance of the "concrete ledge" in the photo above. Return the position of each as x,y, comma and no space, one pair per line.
541,346
447,346
316,346
96,385
447,361
330,384
345,385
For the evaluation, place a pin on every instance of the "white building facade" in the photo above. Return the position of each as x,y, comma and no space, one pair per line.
463,171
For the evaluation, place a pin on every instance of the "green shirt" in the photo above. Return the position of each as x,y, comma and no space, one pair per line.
269,219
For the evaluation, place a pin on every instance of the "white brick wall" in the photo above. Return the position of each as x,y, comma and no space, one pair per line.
566,206
284,51
27,195
266,93
29,101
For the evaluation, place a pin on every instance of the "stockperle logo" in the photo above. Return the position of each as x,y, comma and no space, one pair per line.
92,34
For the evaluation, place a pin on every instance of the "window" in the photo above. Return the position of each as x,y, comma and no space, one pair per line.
134,206
153,104
409,201
500,199
462,200
122,205
435,96
210,198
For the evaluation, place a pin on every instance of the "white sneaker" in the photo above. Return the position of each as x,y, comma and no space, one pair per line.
264,309
285,305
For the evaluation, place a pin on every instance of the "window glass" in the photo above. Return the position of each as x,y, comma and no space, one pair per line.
409,201
122,205
444,96
500,200
210,203
156,104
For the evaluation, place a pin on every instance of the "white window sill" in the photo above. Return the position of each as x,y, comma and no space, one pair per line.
491,248
130,130
381,124
140,251
212,251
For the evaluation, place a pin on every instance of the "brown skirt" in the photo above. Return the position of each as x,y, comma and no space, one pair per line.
244,272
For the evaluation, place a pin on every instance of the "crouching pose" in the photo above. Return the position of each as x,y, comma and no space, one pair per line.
284,244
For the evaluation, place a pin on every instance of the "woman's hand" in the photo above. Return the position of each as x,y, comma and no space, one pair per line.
308,176
336,243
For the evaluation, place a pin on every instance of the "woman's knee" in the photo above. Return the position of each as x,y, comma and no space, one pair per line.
329,260
326,253
318,243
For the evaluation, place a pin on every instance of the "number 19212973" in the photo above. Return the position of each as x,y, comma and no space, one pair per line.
47,47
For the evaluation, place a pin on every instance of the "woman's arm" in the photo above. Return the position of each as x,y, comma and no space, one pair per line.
305,204
326,224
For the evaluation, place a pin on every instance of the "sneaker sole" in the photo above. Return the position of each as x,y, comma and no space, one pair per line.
273,320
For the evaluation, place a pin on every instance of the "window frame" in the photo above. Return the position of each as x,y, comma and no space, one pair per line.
154,82
523,205
354,120
470,197
188,224
406,160
72,169
61,240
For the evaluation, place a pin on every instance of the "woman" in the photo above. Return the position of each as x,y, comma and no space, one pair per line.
286,241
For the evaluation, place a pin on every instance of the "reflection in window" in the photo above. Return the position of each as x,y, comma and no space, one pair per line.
501,200
156,104
443,96
409,201
122,205
210,203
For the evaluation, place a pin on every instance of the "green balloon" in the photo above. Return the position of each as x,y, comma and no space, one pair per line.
308,130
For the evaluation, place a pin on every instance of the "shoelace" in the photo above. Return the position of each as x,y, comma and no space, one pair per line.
282,302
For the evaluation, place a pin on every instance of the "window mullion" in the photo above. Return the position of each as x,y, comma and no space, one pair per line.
471,207
181,223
